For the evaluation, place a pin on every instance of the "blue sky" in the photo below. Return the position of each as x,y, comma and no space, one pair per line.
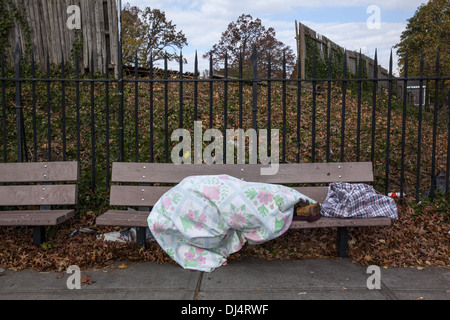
344,22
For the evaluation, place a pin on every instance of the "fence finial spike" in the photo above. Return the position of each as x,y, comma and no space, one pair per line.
390,63
17,53
150,60
254,55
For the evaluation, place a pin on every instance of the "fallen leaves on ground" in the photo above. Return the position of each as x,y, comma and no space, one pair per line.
86,280
413,241
17,251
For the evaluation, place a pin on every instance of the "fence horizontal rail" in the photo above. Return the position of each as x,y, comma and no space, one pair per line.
396,79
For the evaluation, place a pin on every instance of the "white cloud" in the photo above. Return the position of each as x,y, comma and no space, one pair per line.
203,22
274,6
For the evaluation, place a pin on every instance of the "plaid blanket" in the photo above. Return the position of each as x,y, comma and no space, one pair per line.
345,200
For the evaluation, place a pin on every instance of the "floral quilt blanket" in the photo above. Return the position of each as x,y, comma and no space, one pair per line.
204,219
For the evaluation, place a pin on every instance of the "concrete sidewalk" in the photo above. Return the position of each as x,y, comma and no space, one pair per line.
247,279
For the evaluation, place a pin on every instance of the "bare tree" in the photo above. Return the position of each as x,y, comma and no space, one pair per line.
148,32
238,42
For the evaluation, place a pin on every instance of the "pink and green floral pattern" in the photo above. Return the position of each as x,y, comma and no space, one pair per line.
204,219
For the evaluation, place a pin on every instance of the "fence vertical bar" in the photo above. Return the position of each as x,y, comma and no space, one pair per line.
240,92
152,156
181,91
180,95
374,107
344,90
77,89
254,58
136,108
93,157
24,139
107,120
225,109
120,81
313,119
358,120
284,107
211,95
196,87
17,61
433,153
166,109
419,129
33,96
447,174
299,106
63,106
388,127
49,126
328,108
405,96
5,136
269,103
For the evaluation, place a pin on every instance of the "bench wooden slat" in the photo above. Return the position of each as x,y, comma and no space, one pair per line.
147,196
35,218
67,171
134,196
341,222
139,219
318,194
124,218
287,173
44,195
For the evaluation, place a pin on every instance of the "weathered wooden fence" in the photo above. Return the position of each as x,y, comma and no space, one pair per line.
324,47
50,35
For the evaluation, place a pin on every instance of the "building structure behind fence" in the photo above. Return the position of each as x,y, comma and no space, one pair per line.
326,46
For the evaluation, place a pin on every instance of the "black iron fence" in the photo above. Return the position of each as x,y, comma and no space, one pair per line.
98,119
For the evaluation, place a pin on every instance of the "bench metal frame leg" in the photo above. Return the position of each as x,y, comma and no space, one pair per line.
38,235
39,231
342,242
141,234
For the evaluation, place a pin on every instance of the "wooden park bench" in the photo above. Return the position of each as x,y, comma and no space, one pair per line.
33,184
144,194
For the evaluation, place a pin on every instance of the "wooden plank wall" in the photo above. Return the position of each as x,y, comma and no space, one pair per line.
303,31
49,32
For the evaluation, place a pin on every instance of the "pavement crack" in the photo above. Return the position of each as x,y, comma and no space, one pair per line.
388,292
198,287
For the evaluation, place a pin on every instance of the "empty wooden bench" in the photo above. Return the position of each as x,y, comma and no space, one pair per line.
144,195
34,184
